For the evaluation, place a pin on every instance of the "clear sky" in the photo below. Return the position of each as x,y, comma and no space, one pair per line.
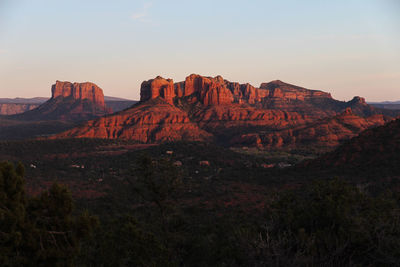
346,47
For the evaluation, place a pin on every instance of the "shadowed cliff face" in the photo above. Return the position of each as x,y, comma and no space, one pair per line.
203,108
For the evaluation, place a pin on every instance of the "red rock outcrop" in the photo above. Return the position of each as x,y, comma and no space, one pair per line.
152,121
246,93
78,91
207,90
275,95
158,87
288,91
211,91
69,102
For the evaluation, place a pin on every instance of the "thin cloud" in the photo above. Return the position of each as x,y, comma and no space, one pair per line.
143,14
137,16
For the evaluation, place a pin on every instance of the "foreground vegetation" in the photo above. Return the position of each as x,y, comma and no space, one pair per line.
323,223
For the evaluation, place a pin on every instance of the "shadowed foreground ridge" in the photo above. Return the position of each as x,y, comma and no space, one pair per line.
374,151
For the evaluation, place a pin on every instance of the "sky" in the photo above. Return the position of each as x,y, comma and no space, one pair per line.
345,47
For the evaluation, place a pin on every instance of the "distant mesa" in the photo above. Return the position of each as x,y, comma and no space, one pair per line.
280,89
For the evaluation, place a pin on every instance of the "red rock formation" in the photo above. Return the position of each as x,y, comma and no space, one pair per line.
78,91
158,87
203,107
69,102
210,91
280,89
246,93
152,121
277,95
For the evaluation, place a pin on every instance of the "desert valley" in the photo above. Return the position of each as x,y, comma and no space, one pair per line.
199,133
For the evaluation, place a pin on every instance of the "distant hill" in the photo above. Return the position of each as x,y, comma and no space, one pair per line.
392,105
386,106
19,100
386,102
112,98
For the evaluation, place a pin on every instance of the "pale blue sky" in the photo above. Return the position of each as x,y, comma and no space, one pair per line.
349,47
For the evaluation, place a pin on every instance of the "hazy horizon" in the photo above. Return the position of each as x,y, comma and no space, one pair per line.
347,48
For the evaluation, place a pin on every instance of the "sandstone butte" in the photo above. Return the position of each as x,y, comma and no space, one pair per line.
211,108
78,91
69,102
